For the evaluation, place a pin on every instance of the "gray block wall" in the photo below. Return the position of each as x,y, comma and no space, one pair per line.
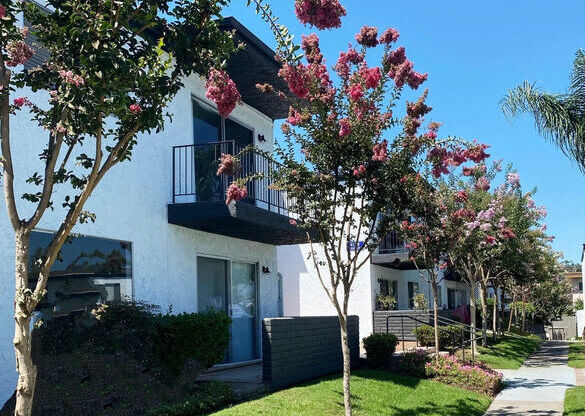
296,349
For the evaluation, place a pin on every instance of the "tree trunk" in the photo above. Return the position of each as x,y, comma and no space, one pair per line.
495,312
436,319
472,313
512,312
346,366
484,313
523,311
27,370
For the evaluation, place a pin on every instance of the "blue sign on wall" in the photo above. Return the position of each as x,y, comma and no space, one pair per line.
352,246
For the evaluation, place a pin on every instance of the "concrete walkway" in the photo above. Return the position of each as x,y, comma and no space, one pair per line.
538,387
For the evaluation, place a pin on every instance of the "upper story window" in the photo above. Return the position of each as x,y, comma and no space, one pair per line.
209,127
89,271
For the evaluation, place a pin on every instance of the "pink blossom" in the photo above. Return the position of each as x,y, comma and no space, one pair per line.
461,196
490,239
513,179
368,36
292,222
2,11
371,76
18,53
296,78
323,14
310,45
361,169
396,57
483,184
228,165
381,151
61,128
356,92
477,152
135,108
20,101
345,127
389,36
222,90
431,134
235,193
507,233
294,117
70,78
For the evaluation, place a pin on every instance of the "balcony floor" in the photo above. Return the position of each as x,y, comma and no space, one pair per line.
240,220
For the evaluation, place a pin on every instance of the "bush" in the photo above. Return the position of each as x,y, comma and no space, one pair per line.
472,376
202,337
448,335
205,398
379,349
127,326
413,363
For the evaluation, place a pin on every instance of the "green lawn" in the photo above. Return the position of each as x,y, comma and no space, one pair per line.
509,352
374,393
577,355
575,402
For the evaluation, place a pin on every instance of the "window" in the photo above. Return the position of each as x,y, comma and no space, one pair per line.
209,127
580,287
412,291
89,271
451,296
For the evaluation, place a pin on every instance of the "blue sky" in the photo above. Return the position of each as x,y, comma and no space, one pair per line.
474,52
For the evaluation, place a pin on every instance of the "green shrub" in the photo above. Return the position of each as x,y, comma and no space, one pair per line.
205,398
127,326
379,349
449,335
202,337
413,363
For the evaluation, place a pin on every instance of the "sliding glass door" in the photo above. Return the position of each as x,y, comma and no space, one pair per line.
232,287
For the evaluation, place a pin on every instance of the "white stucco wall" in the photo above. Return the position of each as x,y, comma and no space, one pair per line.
131,205
304,295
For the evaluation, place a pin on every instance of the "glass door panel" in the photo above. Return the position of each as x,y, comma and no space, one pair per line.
211,284
207,134
243,312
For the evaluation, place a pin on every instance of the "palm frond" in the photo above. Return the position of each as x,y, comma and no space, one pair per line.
558,117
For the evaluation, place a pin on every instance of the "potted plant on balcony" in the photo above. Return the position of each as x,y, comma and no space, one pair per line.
386,302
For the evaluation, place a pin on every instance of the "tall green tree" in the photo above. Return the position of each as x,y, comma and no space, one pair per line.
558,117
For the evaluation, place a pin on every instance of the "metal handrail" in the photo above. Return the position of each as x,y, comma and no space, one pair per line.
473,334
194,175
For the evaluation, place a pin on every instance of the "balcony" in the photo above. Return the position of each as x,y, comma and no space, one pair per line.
391,251
199,196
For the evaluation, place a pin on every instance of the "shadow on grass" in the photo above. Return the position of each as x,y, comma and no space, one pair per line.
469,407
509,348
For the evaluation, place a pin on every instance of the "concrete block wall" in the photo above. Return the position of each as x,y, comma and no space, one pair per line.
296,349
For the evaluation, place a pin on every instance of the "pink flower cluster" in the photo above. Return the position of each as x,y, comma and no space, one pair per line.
135,108
401,70
22,101
360,170
228,165
352,56
371,76
473,376
235,193
389,36
368,36
222,90
345,127
483,184
18,53
71,78
513,179
381,151
2,12
310,45
294,116
323,14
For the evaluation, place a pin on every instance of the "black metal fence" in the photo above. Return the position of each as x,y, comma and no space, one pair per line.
392,243
195,176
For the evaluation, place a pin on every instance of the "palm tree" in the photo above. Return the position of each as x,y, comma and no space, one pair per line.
558,117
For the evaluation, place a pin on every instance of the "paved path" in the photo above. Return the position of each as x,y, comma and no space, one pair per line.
538,387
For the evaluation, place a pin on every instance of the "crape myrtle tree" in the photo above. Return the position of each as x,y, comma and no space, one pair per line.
427,238
112,69
347,181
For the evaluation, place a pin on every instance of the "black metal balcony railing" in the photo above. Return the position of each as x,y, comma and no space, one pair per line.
392,244
195,179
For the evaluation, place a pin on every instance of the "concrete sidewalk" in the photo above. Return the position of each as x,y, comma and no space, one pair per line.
538,387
